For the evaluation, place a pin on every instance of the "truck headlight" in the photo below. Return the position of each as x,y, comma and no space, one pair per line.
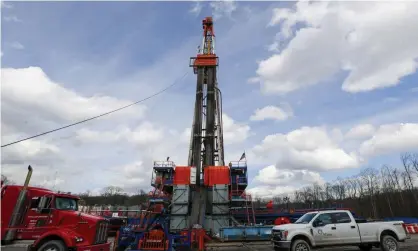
284,235
78,239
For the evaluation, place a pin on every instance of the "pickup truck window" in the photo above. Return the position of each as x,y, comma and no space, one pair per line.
342,217
305,218
324,218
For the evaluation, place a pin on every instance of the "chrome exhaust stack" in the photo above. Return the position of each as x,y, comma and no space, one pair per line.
17,211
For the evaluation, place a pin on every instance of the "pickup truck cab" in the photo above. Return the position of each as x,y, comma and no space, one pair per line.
337,228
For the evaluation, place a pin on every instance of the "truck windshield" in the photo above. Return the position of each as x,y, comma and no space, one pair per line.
305,219
63,203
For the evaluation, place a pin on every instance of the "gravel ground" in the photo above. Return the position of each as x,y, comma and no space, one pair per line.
409,245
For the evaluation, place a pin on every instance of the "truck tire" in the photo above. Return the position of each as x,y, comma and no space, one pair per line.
366,247
54,245
389,243
300,245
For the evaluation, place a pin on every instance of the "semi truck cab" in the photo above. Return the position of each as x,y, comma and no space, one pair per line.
38,219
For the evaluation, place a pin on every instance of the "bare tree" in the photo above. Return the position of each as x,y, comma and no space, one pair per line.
407,161
414,162
6,181
112,190
369,177
387,186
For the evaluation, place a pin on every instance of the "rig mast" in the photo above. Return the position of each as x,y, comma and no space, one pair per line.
206,143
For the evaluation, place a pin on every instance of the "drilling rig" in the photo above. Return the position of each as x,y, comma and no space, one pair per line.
191,204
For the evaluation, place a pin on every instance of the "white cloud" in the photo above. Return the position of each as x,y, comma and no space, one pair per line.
131,177
371,40
391,100
145,134
6,5
28,151
234,132
275,176
280,181
267,192
307,148
197,8
391,138
221,8
272,47
12,19
28,89
271,112
16,45
360,131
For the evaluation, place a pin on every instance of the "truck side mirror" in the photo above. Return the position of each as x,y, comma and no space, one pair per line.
318,223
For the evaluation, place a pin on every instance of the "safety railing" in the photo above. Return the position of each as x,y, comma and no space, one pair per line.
237,195
239,180
157,180
164,164
238,164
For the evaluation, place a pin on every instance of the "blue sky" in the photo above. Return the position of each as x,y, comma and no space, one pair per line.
106,54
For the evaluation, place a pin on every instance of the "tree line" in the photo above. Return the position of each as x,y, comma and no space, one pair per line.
114,195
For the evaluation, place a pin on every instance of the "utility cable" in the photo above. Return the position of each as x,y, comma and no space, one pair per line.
98,116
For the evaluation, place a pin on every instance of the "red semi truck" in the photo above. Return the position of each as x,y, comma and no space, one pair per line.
38,219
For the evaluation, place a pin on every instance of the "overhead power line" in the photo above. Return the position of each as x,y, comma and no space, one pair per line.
98,116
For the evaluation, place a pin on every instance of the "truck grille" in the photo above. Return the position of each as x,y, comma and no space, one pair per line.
101,232
276,235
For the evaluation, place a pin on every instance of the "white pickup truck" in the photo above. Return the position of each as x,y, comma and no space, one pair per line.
337,228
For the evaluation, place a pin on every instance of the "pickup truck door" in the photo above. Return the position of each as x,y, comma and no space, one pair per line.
326,234
347,228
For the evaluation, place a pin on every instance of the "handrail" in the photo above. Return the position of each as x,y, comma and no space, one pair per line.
164,164
238,164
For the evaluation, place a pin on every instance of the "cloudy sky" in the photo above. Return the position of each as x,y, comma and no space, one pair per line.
310,91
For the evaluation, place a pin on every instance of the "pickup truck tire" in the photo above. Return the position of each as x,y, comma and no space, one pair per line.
300,245
54,245
389,243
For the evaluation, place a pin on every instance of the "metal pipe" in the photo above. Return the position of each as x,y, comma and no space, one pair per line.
16,216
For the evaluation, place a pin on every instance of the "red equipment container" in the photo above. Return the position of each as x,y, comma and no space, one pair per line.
182,175
217,175
281,221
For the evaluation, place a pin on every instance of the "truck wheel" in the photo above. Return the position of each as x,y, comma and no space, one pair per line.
366,247
54,245
300,245
388,243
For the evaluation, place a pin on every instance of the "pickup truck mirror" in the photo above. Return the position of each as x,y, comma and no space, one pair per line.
318,223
